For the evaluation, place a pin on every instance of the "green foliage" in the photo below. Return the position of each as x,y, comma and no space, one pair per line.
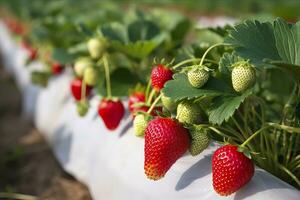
120,82
265,43
179,88
223,107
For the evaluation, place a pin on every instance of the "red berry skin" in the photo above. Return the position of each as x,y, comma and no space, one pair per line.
231,170
24,44
136,97
111,113
165,142
32,53
159,76
76,85
57,68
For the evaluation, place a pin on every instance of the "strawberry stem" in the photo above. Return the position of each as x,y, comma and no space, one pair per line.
107,77
151,96
148,89
83,90
253,135
210,48
154,103
191,60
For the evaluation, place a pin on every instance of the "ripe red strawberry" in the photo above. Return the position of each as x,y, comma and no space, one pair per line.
111,113
231,170
24,44
165,142
76,85
159,76
135,97
32,53
57,68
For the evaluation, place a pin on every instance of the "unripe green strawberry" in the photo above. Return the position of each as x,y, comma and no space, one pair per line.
90,76
140,123
82,108
96,47
199,140
81,64
198,77
243,77
168,103
188,112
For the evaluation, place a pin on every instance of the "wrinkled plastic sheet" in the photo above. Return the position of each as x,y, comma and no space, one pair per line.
111,163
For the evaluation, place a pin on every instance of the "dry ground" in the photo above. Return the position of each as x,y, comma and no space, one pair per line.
27,164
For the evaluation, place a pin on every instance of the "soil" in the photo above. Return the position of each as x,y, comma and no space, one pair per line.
27,164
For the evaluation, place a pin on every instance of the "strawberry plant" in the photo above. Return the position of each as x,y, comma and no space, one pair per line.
238,86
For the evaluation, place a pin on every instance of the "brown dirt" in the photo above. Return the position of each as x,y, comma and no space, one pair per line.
27,165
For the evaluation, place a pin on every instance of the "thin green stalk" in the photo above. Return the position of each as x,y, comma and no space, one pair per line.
239,127
210,48
7,195
83,90
148,89
151,96
288,172
290,147
192,60
253,135
107,76
154,103
218,132
235,133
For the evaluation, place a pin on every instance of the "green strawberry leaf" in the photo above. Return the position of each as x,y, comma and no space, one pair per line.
291,69
82,28
254,40
141,30
287,39
265,43
224,106
115,32
179,88
120,82
62,56
139,49
138,40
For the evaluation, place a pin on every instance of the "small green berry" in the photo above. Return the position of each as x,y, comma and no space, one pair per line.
199,140
96,47
90,76
198,77
82,108
188,112
168,103
81,64
243,77
140,123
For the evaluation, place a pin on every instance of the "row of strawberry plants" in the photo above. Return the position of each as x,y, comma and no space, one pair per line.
236,85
